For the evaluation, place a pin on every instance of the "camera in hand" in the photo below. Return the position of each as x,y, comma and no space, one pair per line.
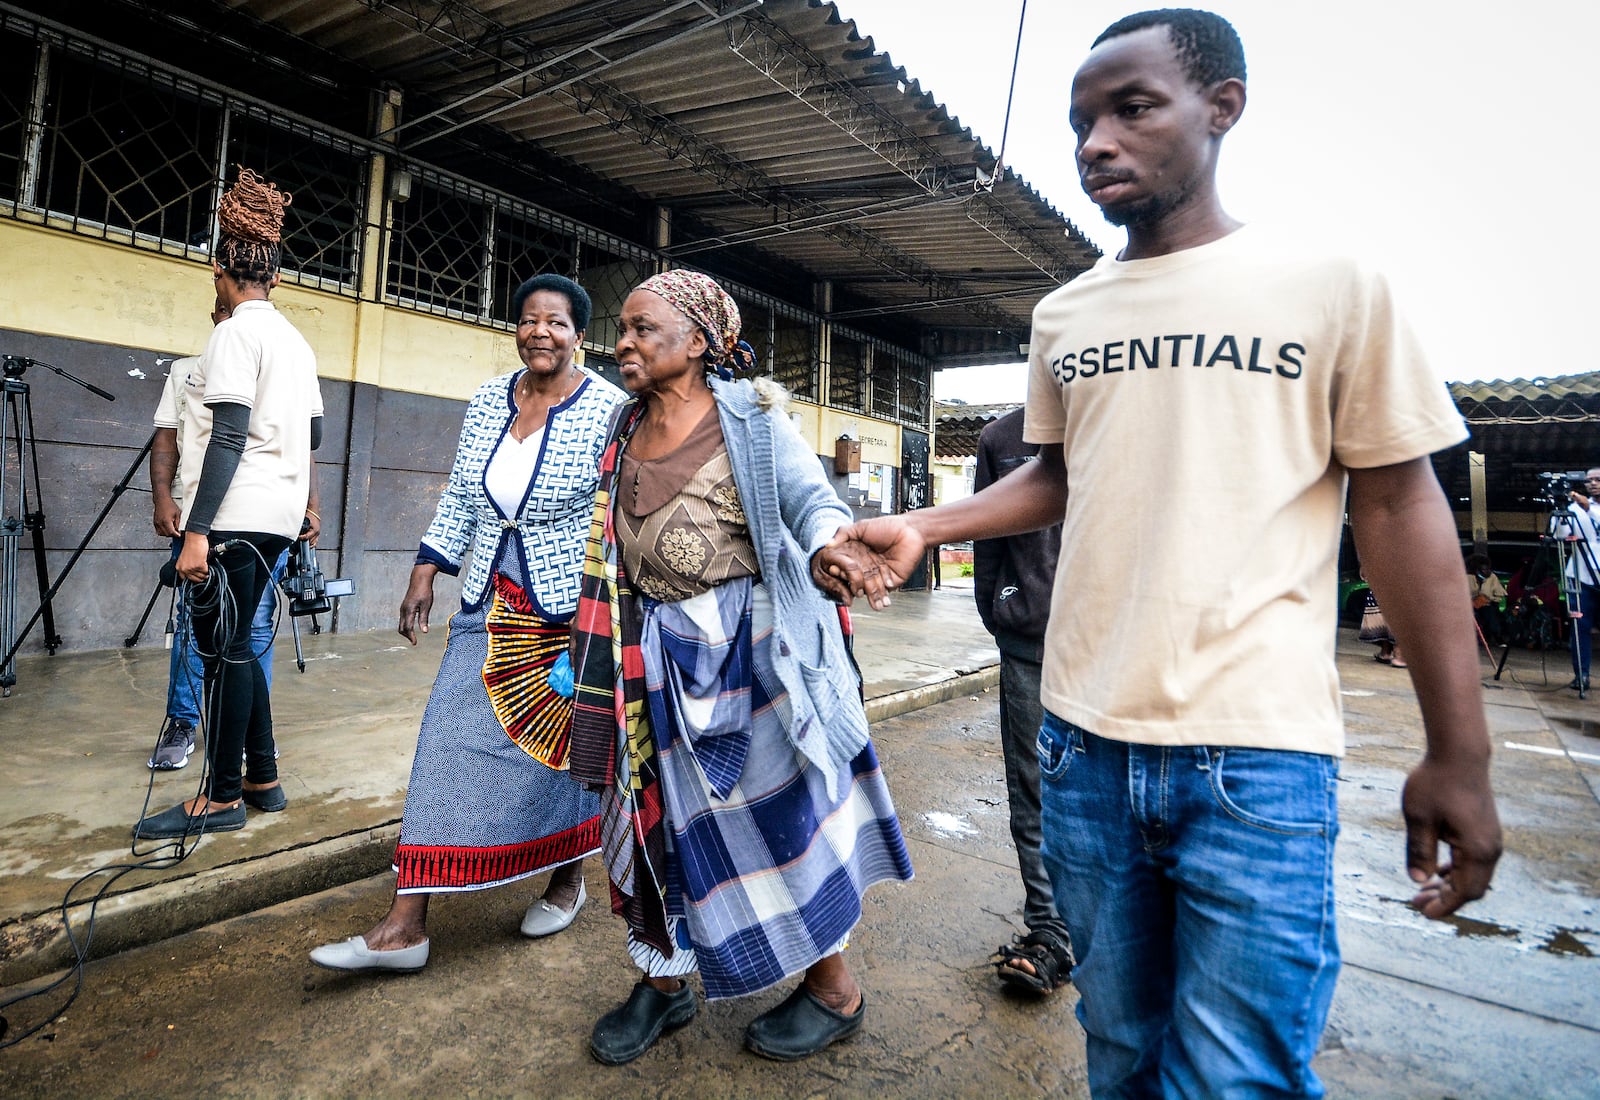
309,592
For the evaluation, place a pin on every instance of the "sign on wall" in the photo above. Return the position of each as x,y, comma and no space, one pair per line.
915,482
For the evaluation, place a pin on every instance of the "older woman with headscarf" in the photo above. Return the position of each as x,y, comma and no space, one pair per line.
719,711
488,803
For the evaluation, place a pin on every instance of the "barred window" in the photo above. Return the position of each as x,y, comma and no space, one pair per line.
608,278
913,393
322,226
847,373
794,354
129,150
885,385
18,57
755,322
524,247
437,250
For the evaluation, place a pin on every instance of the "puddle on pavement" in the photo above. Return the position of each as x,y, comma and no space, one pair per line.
1584,726
1561,941
1564,941
1469,926
1479,929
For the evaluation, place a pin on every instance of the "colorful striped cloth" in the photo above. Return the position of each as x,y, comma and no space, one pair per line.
608,711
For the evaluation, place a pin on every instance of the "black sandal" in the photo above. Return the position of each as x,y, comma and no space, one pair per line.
1050,958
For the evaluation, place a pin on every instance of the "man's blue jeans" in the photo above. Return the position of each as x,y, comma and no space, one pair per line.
1197,885
186,676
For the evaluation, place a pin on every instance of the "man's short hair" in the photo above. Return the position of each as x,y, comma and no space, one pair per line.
1206,44
578,303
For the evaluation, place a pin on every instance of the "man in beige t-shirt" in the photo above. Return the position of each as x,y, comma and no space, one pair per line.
1189,751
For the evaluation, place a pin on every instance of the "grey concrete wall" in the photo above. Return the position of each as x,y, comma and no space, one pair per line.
384,460
388,452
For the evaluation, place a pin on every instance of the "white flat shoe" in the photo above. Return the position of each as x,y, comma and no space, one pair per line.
544,919
354,954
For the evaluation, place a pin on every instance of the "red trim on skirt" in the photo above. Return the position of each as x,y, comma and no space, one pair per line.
444,867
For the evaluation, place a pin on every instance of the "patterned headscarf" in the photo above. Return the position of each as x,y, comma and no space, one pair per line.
699,298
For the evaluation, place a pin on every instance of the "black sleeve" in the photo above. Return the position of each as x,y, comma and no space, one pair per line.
986,553
316,432
230,424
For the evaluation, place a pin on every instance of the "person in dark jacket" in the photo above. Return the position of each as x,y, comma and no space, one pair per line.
1012,579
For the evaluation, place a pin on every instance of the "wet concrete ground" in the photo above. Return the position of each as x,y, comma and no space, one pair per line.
79,728
1501,1002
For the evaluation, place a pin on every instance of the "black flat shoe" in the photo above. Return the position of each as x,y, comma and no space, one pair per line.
268,799
632,1028
178,822
800,1027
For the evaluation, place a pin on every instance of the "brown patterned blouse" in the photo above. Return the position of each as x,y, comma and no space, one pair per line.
679,522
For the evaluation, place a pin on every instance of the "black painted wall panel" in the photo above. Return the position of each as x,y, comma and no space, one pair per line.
416,432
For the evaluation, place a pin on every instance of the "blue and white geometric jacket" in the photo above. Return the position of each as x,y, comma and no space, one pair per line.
553,521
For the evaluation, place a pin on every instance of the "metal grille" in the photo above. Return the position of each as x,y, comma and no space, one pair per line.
524,246
847,373
439,251
327,178
608,278
127,150
914,407
755,329
111,147
794,353
885,385
18,60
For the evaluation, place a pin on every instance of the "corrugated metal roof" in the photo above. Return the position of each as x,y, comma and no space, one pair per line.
957,426
1573,386
774,126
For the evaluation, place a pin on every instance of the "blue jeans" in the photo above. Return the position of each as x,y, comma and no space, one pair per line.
186,675
1197,885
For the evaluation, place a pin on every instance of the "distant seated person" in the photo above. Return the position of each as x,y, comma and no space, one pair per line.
1488,597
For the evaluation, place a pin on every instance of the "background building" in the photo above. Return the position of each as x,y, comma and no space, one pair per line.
438,153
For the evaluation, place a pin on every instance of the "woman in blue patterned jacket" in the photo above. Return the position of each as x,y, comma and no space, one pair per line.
489,801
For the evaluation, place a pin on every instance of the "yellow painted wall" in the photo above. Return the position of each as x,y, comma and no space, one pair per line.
61,284
444,358
880,440
79,288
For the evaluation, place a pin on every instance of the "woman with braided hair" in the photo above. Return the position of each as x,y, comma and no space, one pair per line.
719,712
258,415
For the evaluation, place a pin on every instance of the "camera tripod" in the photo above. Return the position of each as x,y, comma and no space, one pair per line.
1564,543
23,511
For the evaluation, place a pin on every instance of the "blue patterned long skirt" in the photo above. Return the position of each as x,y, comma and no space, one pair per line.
489,800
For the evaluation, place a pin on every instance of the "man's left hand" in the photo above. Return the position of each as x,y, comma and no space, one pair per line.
192,565
311,528
1450,803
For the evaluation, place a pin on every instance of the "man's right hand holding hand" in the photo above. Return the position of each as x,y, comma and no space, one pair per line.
874,557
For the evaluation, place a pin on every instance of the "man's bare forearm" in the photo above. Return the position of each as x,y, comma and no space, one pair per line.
1411,555
163,462
1032,498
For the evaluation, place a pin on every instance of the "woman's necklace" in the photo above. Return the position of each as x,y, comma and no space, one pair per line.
577,377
